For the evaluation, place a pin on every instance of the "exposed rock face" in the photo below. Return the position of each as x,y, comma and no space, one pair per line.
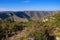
25,15
57,38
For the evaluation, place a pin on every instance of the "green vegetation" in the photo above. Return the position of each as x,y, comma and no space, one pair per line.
38,30
8,27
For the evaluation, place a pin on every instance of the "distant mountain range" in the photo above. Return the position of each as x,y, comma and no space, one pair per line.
25,15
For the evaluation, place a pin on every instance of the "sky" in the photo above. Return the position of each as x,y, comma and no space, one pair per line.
29,5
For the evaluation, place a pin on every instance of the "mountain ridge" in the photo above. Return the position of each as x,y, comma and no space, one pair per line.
29,15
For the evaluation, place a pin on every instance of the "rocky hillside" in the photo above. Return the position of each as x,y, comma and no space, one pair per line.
24,15
47,28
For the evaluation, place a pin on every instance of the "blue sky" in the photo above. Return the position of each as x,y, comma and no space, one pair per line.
22,5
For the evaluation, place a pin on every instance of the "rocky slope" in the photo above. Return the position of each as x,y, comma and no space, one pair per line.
34,15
